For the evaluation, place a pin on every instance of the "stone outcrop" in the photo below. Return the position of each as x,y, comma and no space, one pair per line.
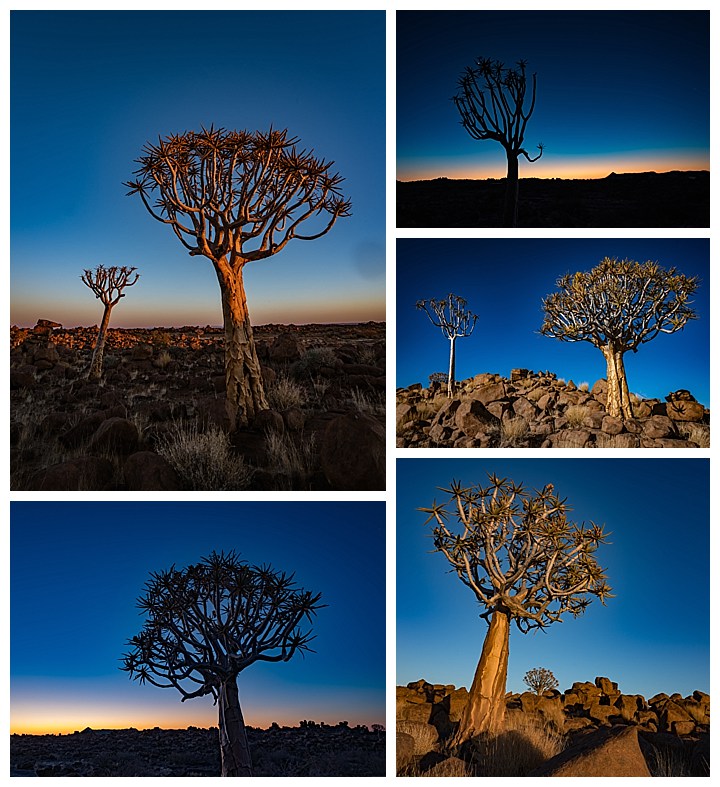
583,706
536,410
612,752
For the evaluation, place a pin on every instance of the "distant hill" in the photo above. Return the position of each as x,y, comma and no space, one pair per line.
635,199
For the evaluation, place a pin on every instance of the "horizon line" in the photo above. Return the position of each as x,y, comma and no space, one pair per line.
179,327
553,177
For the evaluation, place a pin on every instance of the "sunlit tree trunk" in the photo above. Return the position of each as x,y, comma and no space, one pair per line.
511,191
234,750
244,391
485,709
618,395
451,371
96,364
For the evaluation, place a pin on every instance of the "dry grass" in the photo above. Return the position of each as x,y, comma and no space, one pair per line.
698,433
285,393
513,432
204,461
524,745
664,761
424,735
584,387
291,460
368,403
575,415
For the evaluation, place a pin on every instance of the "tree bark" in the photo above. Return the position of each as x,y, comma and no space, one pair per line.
451,371
485,709
96,364
618,395
244,390
234,750
511,191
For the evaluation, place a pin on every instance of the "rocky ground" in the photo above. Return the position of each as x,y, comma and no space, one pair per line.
599,728
643,199
538,410
309,750
156,421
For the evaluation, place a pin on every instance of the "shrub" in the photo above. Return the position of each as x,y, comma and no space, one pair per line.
697,433
438,377
289,459
424,735
285,393
163,359
313,360
513,431
204,460
575,415
540,679
584,387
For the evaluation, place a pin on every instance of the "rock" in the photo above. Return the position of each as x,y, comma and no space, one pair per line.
269,421
658,426
606,686
212,412
352,453
611,752
685,411
20,380
450,766
82,431
80,474
612,425
571,438
148,471
457,701
519,374
285,348
141,352
424,735
472,417
491,392
115,435
404,750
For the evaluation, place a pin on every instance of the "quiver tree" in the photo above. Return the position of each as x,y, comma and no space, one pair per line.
493,102
208,622
540,679
525,562
237,197
617,306
454,319
107,284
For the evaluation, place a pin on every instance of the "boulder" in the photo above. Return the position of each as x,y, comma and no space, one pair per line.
148,471
115,435
685,411
352,453
472,417
80,474
607,752
404,750
285,348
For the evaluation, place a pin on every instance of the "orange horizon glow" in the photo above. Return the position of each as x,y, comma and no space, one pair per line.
572,167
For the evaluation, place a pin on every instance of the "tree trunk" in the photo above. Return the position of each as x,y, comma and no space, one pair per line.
234,750
485,709
451,371
244,391
618,396
511,191
96,364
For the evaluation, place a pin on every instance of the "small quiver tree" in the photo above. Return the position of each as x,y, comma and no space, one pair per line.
207,623
107,284
540,679
454,319
237,197
492,105
525,562
617,306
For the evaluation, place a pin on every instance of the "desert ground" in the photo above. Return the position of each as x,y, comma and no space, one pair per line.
539,410
590,729
648,199
308,750
156,420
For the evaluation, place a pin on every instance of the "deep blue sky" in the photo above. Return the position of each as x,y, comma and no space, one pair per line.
78,568
89,89
653,637
617,91
504,282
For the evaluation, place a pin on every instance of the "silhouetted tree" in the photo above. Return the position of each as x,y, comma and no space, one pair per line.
208,622
453,319
107,284
617,306
525,562
237,197
491,103
540,679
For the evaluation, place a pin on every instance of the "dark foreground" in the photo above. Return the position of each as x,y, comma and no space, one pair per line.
279,751
157,419
647,199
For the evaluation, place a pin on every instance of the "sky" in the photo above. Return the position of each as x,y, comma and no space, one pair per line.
77,569
617,91
504,282
653,636
90,88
